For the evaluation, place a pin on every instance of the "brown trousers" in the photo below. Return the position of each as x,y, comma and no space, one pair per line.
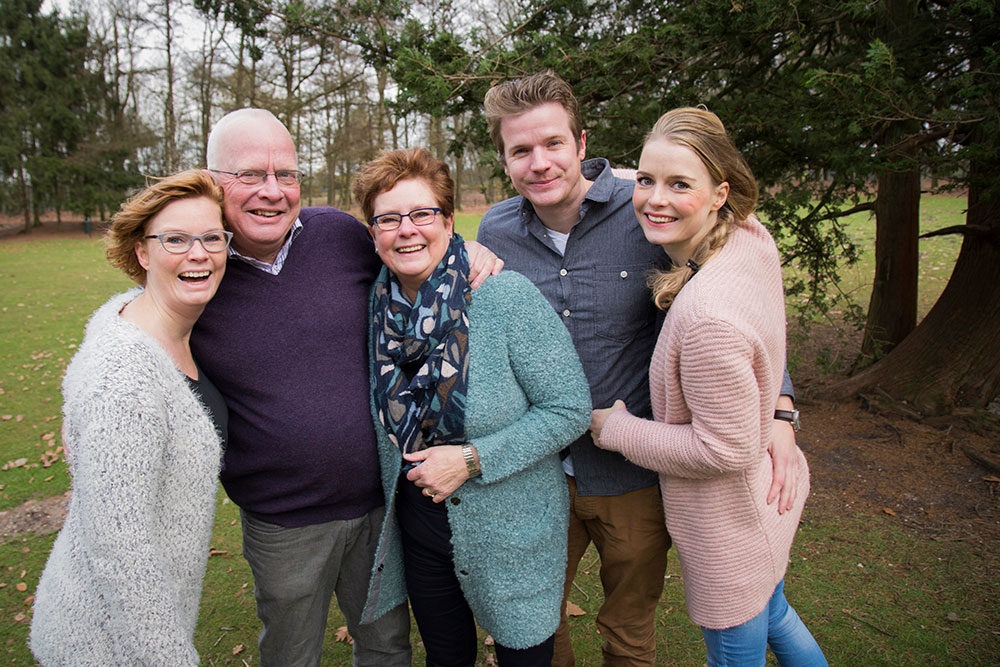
630,535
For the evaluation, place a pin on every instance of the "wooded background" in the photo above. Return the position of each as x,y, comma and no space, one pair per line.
839,107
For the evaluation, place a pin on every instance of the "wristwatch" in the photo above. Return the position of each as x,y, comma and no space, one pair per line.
470,460
790,416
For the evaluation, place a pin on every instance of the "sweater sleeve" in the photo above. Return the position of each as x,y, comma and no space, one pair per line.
545,364
118,462
720,389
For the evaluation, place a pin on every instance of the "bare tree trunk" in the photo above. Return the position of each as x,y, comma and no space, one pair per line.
205,79
25,199
952,358
892,311
169,115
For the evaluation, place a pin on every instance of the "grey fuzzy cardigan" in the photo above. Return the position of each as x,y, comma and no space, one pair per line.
122,584
527,399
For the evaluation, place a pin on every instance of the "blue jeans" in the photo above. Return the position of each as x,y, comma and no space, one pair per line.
777,626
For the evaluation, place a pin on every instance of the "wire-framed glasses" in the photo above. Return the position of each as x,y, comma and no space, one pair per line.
177,243
285,177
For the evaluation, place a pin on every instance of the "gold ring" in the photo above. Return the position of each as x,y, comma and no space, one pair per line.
428,492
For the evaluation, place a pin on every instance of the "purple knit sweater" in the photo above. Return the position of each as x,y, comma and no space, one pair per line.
288,353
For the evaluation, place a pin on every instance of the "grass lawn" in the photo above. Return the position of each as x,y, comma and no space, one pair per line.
872,592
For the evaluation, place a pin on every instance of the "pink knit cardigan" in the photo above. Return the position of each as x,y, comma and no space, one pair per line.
714,380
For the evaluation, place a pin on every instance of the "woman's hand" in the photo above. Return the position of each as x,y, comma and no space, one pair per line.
482,263
442,470
598,417
784,458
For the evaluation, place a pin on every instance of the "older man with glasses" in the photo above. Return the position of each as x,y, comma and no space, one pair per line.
285,340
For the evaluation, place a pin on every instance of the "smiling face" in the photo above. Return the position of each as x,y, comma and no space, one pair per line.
411,252
542,158
260,215
183,283
675,199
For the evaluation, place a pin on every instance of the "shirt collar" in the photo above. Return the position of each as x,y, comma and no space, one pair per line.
279,260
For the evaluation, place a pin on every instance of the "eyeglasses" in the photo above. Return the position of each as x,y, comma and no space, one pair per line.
285,177
178,243
418,216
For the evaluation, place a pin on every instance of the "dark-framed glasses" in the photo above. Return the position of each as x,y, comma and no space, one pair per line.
177,243
418,216
285,177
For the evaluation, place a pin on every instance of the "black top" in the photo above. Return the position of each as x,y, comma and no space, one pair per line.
213,401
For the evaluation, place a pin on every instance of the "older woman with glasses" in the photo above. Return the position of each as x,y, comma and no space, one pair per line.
474,393
144,430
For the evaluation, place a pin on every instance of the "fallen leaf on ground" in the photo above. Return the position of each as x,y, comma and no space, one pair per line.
574,610
238,649
889,511
488,641
21,586
17,463
953,617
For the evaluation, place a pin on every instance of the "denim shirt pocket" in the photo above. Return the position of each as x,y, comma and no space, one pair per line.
622,293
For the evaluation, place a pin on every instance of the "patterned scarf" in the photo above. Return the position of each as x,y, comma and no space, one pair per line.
429,408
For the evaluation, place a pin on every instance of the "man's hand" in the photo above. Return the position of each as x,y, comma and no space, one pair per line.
482,263
784,457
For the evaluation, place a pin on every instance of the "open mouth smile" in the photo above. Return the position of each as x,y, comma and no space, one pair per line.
660,219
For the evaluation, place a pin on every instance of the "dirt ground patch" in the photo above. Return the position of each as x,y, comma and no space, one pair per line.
34,516
865,462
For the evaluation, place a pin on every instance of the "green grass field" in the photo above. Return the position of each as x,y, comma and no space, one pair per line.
872,593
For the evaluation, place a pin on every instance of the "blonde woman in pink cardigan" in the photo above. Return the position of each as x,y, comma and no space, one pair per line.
714,379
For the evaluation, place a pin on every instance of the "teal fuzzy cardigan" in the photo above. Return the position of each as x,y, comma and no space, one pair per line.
527,399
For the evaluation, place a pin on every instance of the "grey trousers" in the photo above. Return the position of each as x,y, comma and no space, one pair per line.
296,572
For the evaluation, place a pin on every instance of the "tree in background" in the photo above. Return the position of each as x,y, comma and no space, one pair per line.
839,107
61,141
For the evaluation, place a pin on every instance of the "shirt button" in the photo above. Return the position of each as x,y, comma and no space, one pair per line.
624,274
465,572
566,313
563,272
456,501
